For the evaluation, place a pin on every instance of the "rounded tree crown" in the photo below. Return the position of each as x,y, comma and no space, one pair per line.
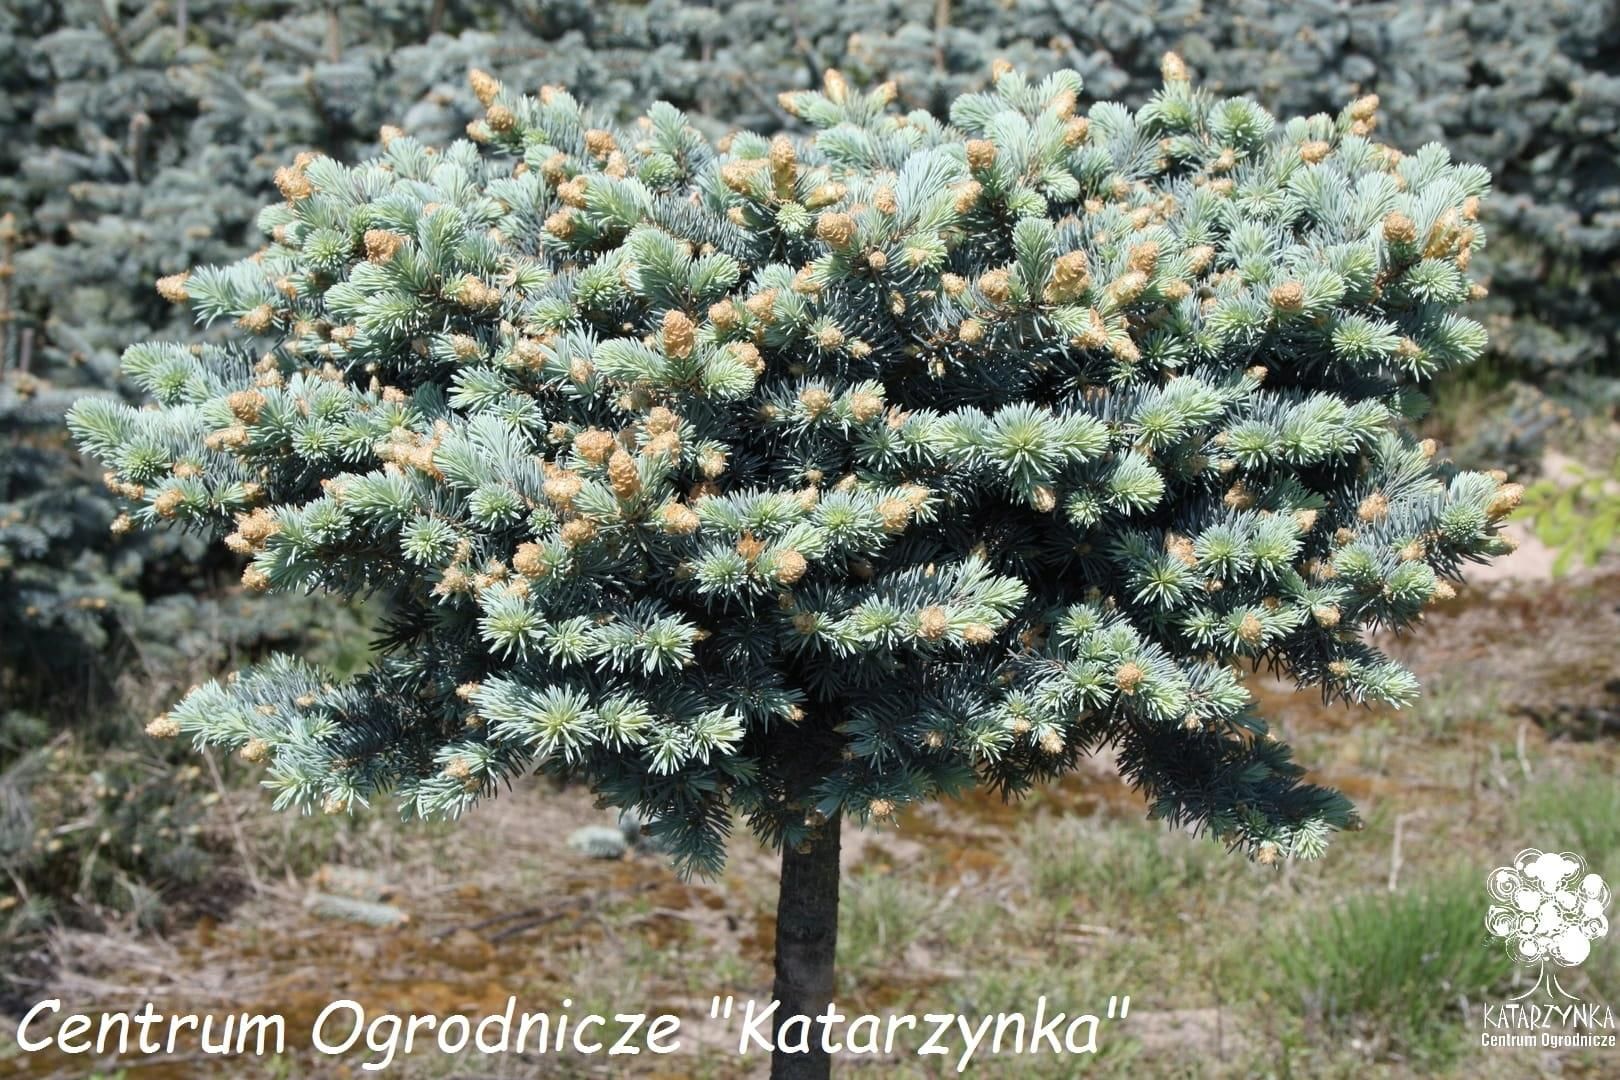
810,475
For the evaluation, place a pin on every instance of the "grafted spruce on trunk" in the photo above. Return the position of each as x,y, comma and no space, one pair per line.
790,477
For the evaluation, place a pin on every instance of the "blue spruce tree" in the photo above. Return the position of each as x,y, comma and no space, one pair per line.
794,480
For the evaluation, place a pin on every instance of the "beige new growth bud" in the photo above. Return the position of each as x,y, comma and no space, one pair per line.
500,118
978,634
679,519
1071,277
680,334
865,406
815,400
562,488
1364,108
578,532
1181,549
996,285
723,315
1400,229
173,287
1144,257
784,160
836,229
1289,296
712,464
246,405
560,224
257,320
1314,151
1199,258
1128,287
932,623
573,192
762,306
484,86
529,560
660,420
594,445
790,567
1374,507
825,195
747,353
1505,501
1251,630
967,196
896,514
381,245
622,475
293,184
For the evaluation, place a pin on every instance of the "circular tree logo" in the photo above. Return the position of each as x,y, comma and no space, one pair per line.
1548,908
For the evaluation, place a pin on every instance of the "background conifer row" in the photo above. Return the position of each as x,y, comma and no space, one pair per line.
140,138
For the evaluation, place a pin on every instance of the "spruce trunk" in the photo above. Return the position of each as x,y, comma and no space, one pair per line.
806,940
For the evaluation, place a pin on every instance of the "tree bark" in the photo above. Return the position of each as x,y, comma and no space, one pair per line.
806,940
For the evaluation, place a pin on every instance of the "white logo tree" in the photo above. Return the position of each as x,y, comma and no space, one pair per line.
1548,908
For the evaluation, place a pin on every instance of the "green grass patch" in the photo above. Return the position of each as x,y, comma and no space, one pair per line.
1392,969
1123,870
1582,815
879,917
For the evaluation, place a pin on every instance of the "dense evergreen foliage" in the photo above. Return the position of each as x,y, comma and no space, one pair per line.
814,477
